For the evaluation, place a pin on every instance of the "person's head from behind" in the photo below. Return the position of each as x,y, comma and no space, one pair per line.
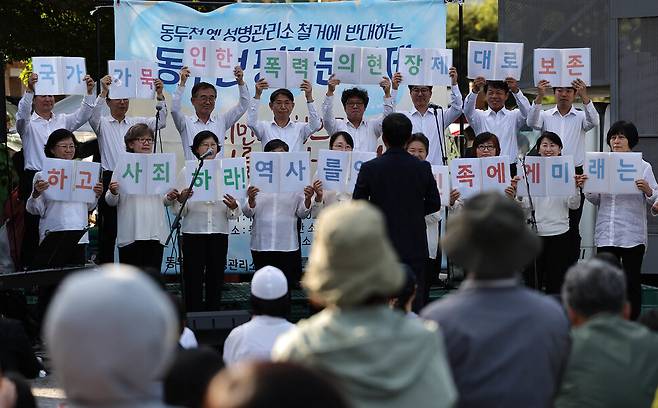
396,130
418,146
341,141
61,144
594,287
204,141
355,102
269,293
111,333
282,103
405,297
276,146
139,139
186,383
266,385
420,96
204,96
622,136
118,107
496,93
486,144
489,238
352,262
549,144
564,96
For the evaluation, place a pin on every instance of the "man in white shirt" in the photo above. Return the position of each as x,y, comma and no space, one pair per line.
204,96
423,117
364,132
282,103
571,125
110,131
270,303
35,121
497,119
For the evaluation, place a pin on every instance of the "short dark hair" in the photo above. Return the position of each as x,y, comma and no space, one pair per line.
396,129
502,85
551,136
411,87
135,132
282,91
625,128
200,137
201,86
345,135
275,144
419,137
487,137
355,93
56,137
187,380
276,307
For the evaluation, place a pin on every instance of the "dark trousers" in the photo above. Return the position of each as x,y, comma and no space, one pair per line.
30,222
146,254
204,261
288,262
422,284
108,224
432,270
574,223
631,262
512,170
552,263
78,256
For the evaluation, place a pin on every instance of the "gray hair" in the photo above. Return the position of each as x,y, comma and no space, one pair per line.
594,287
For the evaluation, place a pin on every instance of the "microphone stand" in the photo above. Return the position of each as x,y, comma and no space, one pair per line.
444,160
156,133
532,221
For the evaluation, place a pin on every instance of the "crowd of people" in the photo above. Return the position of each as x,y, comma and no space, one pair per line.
375,340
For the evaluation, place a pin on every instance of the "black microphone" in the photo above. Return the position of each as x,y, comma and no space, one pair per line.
433,106
208,152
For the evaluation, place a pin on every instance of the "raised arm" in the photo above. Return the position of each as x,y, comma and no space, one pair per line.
238,110
314,123
328,118
456,104
73,121
535,117
521,101
176,102
24,113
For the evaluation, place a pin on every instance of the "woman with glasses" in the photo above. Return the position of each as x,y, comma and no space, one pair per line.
486,144
621,219
61,215
205,235
141,230
340,141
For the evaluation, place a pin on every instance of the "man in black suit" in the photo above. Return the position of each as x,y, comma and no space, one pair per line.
404,188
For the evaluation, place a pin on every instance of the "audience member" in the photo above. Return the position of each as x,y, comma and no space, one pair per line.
187,381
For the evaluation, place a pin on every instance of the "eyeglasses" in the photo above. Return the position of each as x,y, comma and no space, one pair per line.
145,140
208,145
420,91
66,147
355,104
485,148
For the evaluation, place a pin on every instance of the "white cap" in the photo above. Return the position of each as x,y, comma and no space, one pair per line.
269,283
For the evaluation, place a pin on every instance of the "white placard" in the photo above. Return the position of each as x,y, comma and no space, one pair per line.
132,79
60,75
233,177
346,64
70,180
333,169
356,160
442,177
466,176
560,173
273,67
596,168
425,66
211,59
295,171
533,176
373,65
300,66
205,185
495,173
264,171
495,61
145,174
562,66
86,176
627,167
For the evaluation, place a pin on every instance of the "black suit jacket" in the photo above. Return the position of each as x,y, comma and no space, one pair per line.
404,188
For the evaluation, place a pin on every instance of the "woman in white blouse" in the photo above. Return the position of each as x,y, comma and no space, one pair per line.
621,220
341,141
141,230
61,215
205,236
274,236
552,216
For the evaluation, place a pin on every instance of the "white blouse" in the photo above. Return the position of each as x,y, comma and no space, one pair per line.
552,213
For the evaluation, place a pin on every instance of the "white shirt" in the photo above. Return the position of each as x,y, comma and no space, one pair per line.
552,213
505,123
254,340
426,124
187,339
432,227
59,215
274,220
365,136
204,217
111,132
189,126
34,130
139,217
294,134
621,220
571,127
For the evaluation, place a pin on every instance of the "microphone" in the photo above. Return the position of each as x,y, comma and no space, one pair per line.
208,152
433,106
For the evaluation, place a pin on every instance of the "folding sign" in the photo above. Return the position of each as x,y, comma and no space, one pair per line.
346,65
264,171
205,185
60,75
145,174
495,61
374,65
466,176
612,173
70,180
233,178
273,67
211,59
356,160
560,67
333,169
442,177
300,66
547,176
132,79
425,66
280,172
